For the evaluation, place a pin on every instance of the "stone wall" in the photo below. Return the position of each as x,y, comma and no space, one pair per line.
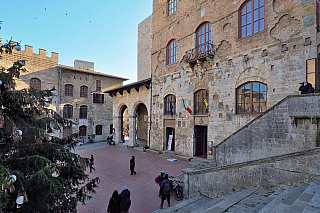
275,56
144,49
270,174
289,126
97,114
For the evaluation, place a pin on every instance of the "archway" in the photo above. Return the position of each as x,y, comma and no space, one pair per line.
124,123
141,125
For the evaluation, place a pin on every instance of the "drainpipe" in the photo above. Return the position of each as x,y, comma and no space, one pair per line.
150,123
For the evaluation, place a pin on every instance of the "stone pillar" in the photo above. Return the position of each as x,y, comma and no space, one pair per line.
132,131
117,127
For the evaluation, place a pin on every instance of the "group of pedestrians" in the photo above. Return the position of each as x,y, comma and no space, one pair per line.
120,203
165,187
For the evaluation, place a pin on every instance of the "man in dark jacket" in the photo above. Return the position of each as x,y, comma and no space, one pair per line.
132,165
166,188
125,201
306,88
159,180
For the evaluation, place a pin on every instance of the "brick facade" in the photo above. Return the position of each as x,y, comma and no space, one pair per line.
275,56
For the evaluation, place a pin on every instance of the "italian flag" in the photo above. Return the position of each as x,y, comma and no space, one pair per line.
186,106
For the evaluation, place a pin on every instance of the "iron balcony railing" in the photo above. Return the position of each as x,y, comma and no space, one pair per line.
203,50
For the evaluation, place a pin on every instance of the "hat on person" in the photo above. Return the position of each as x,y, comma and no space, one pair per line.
162,172
124,188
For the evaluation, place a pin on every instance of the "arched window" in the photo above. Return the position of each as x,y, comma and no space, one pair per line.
67,111
252,98
99,130
35,83
204,39
68,90
170,105
201,102
171,52
172,6
251,17
84,91
83,131
83,112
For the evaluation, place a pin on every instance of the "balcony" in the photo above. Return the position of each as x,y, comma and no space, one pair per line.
200,53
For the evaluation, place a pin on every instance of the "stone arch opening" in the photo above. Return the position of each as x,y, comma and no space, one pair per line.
141,125
124,123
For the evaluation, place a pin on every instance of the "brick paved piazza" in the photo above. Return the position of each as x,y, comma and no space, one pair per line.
112,167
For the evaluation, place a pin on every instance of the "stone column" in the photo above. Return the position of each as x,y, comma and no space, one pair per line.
132,131
117,127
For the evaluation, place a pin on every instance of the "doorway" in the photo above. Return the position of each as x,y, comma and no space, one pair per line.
170,144
201,141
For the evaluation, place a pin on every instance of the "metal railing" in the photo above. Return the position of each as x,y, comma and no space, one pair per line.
203,50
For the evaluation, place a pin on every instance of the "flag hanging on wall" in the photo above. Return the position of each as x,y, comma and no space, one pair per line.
205,102
186,106
171,109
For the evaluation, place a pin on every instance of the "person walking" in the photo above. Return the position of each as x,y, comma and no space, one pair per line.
166,188
114,203
159,180
132,165
125,201
91,163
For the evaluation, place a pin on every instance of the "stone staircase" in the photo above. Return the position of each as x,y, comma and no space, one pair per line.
302,199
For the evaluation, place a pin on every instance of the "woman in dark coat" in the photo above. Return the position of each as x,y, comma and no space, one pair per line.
114,203
132,165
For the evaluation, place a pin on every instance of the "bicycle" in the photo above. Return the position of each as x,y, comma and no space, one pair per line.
177,188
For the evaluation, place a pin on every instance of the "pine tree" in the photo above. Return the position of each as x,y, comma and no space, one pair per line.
36,169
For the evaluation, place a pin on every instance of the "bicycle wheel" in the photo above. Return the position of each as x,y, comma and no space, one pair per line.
178,193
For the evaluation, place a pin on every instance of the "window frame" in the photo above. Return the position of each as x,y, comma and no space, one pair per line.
169,98
98,85
98,98
199,102
68,111
35,83
252,21
171,7
171,52
203,39
251,97
83,91
83,112
99,131
68,90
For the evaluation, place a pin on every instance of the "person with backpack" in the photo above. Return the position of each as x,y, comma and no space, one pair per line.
125,201
114,203
159,180
166,188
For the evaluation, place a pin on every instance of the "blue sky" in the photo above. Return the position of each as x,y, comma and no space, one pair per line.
102,31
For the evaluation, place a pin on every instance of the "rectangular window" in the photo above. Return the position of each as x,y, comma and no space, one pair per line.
98,98
172,6
312,75
98,85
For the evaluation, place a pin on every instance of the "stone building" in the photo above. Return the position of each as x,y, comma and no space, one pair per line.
132,103
78,96
216,65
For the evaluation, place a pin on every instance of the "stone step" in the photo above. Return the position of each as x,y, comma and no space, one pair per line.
290,199
314,205
303,200
232,200
252,203
277,199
